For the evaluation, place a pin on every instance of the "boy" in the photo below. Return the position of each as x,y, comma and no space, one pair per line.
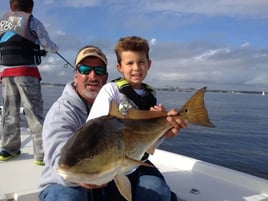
130,92
21,35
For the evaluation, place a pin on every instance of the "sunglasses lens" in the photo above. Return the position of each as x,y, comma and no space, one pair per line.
98,70
85,70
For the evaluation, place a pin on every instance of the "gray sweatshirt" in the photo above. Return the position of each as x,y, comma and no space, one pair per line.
64,117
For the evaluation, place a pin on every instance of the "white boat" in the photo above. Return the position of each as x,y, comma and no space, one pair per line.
263,93
191,179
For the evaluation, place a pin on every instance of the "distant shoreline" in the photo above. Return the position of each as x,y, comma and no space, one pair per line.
178,89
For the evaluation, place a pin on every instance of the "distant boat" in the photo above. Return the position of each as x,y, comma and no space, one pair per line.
263,93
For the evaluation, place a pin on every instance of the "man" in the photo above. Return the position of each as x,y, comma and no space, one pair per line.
65,116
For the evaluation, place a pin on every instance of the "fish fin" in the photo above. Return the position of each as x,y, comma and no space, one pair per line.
123,185
194,110
151,149
122,182
134,114
130,162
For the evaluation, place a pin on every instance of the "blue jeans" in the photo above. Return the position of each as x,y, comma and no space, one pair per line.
57,192
152,188
148,188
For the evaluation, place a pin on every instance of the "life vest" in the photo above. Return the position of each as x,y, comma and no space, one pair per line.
17,43
130,99
143,102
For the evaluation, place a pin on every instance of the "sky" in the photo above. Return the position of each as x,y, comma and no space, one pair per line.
221,44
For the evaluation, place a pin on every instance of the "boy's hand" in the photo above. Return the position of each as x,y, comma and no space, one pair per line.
177,124
159,108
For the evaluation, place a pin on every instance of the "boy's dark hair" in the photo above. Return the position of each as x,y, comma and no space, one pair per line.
132,43
22,5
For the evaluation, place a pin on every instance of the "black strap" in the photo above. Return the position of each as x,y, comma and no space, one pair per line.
143,102
20,47
19,51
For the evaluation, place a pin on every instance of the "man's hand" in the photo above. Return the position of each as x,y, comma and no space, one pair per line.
43,53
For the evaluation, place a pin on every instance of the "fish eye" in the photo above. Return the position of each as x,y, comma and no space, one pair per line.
91,155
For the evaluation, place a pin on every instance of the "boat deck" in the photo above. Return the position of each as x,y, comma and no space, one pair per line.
191,179
19,177
195,180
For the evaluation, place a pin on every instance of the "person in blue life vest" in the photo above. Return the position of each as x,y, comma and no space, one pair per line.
133,62
21,36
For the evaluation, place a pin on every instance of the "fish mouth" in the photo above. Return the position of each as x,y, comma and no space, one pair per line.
69,170
77,177
64,167
94,178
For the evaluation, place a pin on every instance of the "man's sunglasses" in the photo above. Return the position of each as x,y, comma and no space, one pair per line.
98,70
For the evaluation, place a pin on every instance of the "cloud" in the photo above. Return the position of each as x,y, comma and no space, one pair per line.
221,66
48,1
82,3
219,41
74,3
245,45
258,79
153,41
231,8
211,53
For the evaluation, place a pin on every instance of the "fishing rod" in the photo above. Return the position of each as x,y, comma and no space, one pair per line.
67,62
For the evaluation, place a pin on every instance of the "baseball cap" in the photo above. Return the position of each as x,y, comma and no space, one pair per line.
90,51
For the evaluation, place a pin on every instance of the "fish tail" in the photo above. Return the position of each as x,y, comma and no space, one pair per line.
194,110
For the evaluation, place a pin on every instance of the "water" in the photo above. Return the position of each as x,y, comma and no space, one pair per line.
239,141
